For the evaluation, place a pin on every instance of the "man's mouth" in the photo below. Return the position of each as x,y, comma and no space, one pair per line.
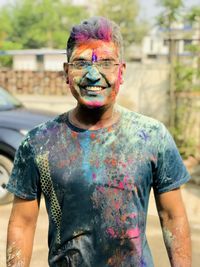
94,88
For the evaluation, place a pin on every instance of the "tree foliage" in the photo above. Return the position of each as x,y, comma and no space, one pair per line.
36,24
170,12
125,14
194,14
186,76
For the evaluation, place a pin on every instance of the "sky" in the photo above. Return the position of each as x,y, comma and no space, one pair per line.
148,7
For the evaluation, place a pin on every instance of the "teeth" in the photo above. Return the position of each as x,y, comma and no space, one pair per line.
93,88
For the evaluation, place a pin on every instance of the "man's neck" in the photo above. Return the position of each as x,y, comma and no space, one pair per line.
93,119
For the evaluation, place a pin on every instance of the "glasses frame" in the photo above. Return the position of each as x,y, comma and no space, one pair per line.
94,64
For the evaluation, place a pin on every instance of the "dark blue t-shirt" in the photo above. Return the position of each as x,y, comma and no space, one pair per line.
96,185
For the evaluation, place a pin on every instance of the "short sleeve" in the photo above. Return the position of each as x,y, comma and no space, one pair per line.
170,171
24,179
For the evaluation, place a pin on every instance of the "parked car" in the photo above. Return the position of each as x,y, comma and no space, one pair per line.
15,122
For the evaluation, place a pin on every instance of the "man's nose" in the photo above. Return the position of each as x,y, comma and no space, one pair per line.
93,73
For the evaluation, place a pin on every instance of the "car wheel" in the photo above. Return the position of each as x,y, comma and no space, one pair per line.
5,171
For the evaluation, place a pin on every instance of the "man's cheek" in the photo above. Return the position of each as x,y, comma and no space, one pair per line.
119,81
74,83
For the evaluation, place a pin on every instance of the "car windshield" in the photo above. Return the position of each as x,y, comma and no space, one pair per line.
7,101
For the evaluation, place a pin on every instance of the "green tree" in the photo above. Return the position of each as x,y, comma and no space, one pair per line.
125,14
181,76
36,24
193,16
170,12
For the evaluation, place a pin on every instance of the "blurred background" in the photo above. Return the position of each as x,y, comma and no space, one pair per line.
162,80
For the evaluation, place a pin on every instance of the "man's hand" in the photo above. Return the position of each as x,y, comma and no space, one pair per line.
21,229
175,227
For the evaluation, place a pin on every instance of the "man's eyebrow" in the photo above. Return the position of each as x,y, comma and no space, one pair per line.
79,59
107,58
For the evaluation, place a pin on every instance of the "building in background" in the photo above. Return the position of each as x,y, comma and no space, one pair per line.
154,48
156,44
37,59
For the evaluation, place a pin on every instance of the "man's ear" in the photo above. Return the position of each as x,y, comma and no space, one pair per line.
122,70
65,67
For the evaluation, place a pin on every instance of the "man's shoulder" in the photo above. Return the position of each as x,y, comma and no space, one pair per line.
46,129
139,120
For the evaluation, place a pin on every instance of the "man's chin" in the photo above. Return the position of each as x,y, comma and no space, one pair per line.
91,104
94,105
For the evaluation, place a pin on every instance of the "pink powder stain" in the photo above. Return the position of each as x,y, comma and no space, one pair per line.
104,33
94,176
115,191
101,189
133,232
94,103
126,179
109,183
114,182
132,215
117,205
119,80
111,232
121,185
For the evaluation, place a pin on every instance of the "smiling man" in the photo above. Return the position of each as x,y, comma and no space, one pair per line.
96,165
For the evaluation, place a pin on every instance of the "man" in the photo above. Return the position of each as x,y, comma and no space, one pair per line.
96,165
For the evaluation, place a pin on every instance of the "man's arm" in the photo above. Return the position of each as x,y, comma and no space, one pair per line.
175,227
21,230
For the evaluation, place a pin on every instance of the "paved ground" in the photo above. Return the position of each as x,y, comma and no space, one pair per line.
191,195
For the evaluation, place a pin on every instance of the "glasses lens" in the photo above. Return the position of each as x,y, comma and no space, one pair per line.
103,65
79,65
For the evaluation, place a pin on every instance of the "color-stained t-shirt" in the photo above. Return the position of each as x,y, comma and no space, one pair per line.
96,185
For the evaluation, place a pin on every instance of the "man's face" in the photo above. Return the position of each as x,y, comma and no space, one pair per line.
95,73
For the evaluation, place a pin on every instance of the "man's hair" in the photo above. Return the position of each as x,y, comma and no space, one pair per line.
99,28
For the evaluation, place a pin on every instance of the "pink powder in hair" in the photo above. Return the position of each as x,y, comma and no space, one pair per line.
81,37
104,31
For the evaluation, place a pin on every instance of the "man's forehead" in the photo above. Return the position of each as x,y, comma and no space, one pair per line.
95,46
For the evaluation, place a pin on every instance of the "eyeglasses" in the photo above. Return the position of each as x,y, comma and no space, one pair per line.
102,65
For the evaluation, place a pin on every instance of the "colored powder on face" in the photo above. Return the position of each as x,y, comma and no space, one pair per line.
93,45
94,103
119,80
94,56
